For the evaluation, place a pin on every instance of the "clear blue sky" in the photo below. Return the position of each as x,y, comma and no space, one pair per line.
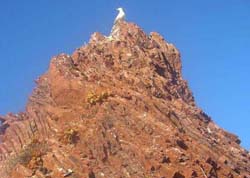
213,37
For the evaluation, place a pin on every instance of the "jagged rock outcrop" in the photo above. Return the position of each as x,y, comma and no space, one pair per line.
117,107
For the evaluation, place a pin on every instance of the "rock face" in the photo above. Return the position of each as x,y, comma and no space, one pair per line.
118,107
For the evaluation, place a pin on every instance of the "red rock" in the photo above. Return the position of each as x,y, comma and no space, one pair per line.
133,115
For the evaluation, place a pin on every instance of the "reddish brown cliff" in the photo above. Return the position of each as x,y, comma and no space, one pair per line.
117,108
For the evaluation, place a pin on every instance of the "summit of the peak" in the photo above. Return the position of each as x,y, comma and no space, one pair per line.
124,30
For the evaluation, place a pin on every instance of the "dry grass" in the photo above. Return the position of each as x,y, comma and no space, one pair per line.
93,98
30,156
69,136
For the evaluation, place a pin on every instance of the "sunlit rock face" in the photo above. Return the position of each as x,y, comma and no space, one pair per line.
118,107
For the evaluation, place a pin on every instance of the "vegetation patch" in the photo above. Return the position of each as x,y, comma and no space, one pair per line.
69,136
30,156
93,98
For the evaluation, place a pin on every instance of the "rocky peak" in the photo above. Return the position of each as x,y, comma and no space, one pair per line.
117,107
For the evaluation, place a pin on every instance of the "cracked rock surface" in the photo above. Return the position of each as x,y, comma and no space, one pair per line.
118,107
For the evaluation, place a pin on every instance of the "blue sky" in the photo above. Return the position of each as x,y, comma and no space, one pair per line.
213,38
